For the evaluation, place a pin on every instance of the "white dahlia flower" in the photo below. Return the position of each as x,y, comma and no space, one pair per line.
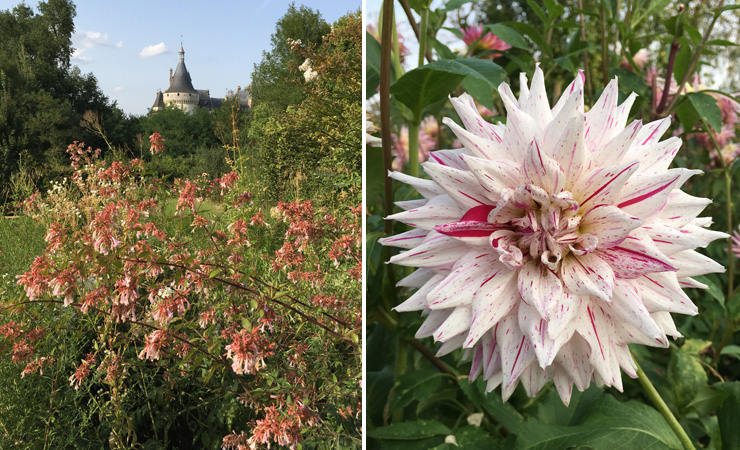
548,244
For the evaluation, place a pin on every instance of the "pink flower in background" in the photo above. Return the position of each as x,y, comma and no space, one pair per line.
157,143
489,41
547,245
640,58
428,138
736,243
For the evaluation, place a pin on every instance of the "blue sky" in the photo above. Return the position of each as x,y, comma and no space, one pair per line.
130,45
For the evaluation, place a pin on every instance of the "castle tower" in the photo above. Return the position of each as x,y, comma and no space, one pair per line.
181,92
158,102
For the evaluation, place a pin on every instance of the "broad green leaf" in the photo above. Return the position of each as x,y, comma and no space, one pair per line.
727,415
410,430
504,413
731,350
433,82
539,11
722,42
415,385
508,35
714,290
700,107
683,59
533,33
686,376
474,438
607,424
553,9
708,399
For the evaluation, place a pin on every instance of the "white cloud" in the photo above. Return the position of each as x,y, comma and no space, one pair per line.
154,50
89,39
119,44
78,57
118,88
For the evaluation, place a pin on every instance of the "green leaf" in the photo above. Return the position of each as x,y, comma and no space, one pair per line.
714,289
693,33
553,9
533,33
410,430
722,42
686,376
508,35
683,59
456,4
726,8
607,424
700,107
433,82
474,438
538,10
731,350
708,399
415,385
727,415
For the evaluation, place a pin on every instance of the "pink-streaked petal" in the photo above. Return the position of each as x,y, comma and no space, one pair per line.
662,292
432,322
476,367
617,149
655,158
417,278
494,381
451,158
623,110
542,170
406,240
411,204
521,129
460,185
495,176
603,186
516,350
465,107
562,316
461,284
418,301
626,303
427,188
601,119
645,195
536,104
571,101
573,359
563,384
587,275
568,147
437,250
670,240
653,131
533,378
665,322
681,208
624,358
609,224
688,282
450,345
636,256
491,354
496,297
457,323
691,263
475,145
440,209
702,235
540,287
596,327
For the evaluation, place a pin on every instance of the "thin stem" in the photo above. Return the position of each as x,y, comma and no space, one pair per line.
668,75
414,25
414,148
586,67
657,400
423,32
604,52
694,61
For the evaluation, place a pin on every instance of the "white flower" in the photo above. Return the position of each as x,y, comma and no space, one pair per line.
547,245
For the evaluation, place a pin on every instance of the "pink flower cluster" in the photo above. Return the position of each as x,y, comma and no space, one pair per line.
477,42
157,143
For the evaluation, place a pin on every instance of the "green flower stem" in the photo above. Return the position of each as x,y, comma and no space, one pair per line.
663,408
414,148
423,31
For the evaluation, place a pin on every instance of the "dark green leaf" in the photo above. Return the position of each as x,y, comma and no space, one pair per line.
714,290
538,10
693,33
727,415
686,376
415,385
722,42
683,59
708,399
700,107
533,33
410,430
456,4
508,35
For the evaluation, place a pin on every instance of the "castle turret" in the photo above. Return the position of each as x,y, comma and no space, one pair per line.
181,92
158,102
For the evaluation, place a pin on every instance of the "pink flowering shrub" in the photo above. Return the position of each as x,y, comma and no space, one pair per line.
179,288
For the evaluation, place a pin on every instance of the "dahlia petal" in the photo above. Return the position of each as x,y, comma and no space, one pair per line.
625,360
587,275
417,278
533,378
494,381
437,250
662,292
418,300
540,287
460,185
523,89
563,315
670,240
457,322
568,147
473,223
461,284
516,350
681,208
687,282
623,110
702,235
536,104
573,359
627,304
609,224
452,158
440,209
665,322
690,264
496,297
645,195
474,144
427,188
571,101
535,328
406,240
494,176
543,171
602,186
411,204
476,368
491,354
450,345
601,120
596,327
465,107
521,129
636,256
653,131
617,149
563,384
655,158
432,322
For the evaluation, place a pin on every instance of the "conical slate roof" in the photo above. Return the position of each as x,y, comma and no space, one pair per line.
159,102
181,80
